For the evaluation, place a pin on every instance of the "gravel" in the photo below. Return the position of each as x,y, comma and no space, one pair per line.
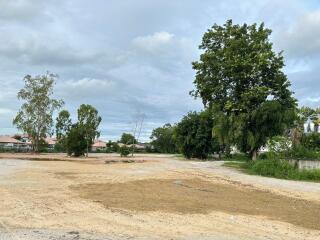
32,234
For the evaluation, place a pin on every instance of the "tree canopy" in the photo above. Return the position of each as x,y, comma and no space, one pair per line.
240,77
89,121
63,127
194,135
35,114
76,142
162,139
127,138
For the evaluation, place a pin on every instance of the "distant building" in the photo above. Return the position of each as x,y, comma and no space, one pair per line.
98,145
137,146
51,142
310,126
9,142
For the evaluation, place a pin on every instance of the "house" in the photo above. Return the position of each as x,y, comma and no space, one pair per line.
311,125
11,143
51,142
24,138
98,145
122,145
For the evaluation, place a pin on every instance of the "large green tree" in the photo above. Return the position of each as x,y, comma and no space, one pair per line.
240,76
193,135
35,114
89,121
162,139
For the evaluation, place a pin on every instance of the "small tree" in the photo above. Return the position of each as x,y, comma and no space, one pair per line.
63,127
35,114
89,121
76,142
163,139
124,151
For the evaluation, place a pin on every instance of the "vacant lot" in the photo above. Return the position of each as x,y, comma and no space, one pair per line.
152,197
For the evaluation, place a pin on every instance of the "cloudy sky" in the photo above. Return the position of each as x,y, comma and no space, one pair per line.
132,58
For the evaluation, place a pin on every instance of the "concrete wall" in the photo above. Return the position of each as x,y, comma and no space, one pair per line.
305,164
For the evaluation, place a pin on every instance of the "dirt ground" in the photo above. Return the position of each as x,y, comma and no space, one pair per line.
153,197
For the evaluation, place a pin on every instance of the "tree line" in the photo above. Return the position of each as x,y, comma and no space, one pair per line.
245,94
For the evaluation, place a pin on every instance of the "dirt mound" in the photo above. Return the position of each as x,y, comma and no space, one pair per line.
195,196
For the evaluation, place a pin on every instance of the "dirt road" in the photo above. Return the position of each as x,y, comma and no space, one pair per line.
154,197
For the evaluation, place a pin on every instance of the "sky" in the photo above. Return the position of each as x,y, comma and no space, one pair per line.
131,59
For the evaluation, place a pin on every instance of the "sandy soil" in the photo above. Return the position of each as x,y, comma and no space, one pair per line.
156,197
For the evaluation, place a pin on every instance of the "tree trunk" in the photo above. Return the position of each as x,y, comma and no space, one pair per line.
36,144
87,149
254,155
132,150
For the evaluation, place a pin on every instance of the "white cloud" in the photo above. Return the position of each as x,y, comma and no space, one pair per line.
85,89
302,38
88,83
154,42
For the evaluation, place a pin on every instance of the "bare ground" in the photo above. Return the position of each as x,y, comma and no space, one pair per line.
155,197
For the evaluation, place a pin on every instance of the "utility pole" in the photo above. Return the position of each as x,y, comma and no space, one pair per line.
140,128
134,136
135,131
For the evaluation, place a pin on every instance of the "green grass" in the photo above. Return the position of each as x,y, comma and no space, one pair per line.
238,165
277,169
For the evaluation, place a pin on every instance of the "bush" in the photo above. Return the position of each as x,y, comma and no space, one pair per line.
273,168
311,141
279,144
193,135
124,151
301,152
76,141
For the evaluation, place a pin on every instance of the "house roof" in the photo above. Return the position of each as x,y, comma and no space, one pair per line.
8,139
99,143
50,141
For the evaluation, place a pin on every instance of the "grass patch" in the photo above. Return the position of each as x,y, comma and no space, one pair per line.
238,165
276,168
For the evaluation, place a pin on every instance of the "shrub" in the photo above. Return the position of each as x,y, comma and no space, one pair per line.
124,151
76,141
301,152
278,146
309,175
273,168
311,141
